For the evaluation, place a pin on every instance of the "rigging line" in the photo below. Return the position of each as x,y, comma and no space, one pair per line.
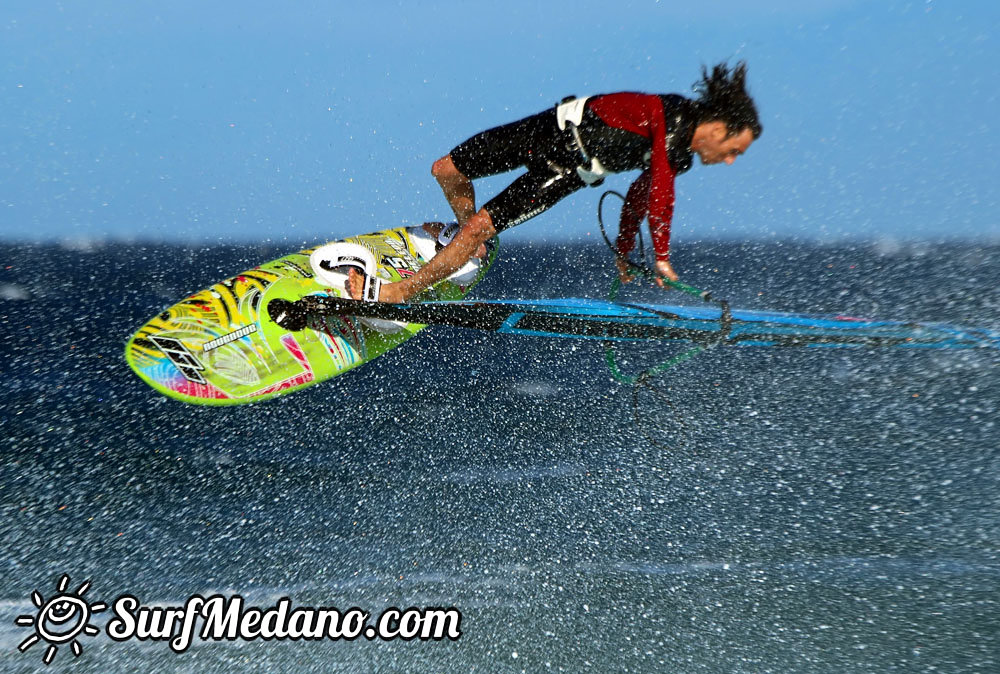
644,378
644,270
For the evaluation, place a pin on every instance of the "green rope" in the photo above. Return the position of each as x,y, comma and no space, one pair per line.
643,379
609,357
647,272
609,351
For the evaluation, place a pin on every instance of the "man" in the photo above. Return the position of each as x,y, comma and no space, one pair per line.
575,145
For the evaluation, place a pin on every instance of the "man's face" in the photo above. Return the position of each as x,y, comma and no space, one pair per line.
714,145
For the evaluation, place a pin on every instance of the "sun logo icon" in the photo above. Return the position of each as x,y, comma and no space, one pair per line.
60,620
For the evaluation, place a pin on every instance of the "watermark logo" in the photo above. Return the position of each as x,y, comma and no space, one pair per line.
60,620
66,615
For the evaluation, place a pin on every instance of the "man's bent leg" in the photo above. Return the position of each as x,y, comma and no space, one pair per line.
491,152
457,188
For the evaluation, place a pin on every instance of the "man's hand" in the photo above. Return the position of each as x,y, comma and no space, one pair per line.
663,268
623,270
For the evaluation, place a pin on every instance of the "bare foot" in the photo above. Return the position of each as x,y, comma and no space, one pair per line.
355,284
388,292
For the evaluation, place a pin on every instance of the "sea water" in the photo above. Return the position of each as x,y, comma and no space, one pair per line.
753,509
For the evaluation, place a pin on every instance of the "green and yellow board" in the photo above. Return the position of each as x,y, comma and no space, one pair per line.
220,347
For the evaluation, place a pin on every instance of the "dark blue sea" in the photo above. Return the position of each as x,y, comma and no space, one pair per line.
757,510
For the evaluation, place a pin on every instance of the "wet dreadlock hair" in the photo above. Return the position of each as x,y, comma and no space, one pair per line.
723,97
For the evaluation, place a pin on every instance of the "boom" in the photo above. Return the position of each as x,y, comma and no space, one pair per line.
614,321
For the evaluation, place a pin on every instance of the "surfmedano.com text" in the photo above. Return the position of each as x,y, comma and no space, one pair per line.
228,618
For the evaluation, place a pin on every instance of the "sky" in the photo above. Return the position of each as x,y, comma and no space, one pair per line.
308,121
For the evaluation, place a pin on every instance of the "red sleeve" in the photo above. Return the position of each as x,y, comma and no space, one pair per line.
633,212
643,114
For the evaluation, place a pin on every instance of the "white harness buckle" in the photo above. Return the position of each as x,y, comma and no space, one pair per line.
570,114
571,111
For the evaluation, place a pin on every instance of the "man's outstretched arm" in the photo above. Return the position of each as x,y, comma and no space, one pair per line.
470,237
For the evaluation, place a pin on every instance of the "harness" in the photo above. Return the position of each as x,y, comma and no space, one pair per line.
569,115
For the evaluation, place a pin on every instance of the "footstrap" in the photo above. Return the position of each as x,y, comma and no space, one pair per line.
329,261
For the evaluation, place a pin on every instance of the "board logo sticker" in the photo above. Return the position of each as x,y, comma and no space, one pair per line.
179,355
405,264
231,337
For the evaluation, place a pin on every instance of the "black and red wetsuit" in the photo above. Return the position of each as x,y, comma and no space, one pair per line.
623,131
